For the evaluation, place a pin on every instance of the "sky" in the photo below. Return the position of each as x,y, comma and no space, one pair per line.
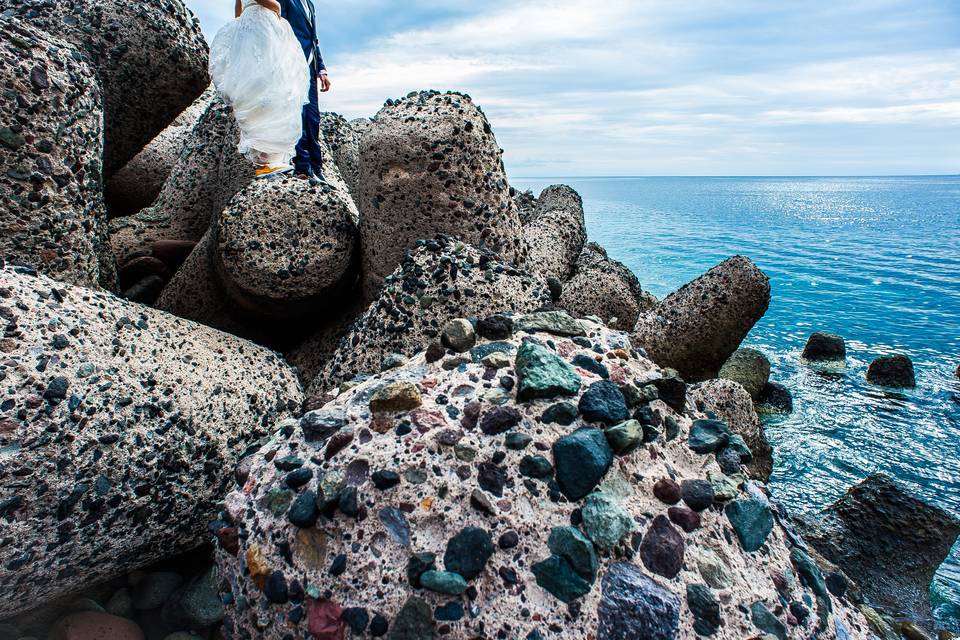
665,87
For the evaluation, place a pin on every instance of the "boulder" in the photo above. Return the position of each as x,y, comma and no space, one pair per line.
443,279
150,58
824,347
605,288
429,164
208,173
445,508
748,367
139,182
877,519
119,429
52,216
342,138
555,233
892,371
286,246
775,398
730,402
695,329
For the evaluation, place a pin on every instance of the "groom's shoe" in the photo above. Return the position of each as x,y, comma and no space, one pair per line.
315,179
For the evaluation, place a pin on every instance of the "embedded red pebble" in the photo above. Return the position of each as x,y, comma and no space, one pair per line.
324,620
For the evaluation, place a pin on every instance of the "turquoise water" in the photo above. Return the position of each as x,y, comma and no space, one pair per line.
876,260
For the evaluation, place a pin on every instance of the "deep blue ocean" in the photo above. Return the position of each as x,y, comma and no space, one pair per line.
876,260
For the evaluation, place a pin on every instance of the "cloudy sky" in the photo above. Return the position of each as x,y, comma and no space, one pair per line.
660,87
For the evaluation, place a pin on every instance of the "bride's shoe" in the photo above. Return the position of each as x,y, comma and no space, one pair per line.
267,172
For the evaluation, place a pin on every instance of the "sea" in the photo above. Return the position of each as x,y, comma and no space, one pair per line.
874,259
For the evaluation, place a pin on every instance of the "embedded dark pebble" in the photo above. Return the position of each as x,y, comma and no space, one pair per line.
687,519
697,494
468,552
667,491
603,402
662,548
563,413
385,479
495,327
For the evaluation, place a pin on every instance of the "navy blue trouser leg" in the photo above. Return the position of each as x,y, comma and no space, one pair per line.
309,157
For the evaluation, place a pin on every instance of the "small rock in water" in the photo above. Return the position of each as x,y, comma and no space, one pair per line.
775,398
824,347
892,371
634,606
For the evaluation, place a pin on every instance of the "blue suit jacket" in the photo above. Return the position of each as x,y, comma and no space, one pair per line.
304,25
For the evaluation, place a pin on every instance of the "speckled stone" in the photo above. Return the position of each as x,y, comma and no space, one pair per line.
555,232
343,140
150,58
131,383
696,328
605,288
52,216
433,153
441,280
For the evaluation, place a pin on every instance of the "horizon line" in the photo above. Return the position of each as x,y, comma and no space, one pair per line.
685,175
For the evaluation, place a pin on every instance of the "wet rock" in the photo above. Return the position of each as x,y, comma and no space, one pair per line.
203,399
748,367
662,548
52,216
555,232
450,280
731,403
824,347
581,460
435,154
541,373
606,289
695,329
635,606
150,58
605,521
878,519
892,371
603,402
775,398
752,521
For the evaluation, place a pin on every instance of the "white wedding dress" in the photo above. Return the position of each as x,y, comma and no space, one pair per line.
258,66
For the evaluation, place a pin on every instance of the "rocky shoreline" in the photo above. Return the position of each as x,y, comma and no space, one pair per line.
417,404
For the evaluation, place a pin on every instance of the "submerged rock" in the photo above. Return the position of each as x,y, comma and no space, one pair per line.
824,347
775,398
892,371
695,329
748,367
877,519
122,425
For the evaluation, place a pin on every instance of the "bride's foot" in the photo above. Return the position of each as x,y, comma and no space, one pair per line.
266,172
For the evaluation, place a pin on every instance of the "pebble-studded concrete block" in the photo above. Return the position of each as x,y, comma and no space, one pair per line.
51,127
286,246
696,328
342,138
120,427
139,182
606,289
556,232
440,280
425,502
150,57
430,164
208,173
